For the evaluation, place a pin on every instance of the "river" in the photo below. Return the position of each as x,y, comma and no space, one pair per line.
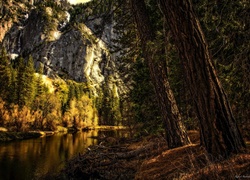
33,158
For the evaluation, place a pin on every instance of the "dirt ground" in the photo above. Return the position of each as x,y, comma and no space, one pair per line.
148,158
192,162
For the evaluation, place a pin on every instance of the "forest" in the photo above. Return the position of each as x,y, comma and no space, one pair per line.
188,68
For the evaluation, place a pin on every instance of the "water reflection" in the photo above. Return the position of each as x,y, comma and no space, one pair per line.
30,159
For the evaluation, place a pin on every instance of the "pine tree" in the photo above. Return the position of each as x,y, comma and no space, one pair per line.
5,75
144,99
219,132
40,87
12,96
226,27
25,82
40,90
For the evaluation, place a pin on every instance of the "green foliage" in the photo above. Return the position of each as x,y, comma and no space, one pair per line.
51,14
226,26
31,104
5,75
25,82
61,89
41,88
144,99
126,41
74,91
12,97
108,106
80,113
82,12
141,104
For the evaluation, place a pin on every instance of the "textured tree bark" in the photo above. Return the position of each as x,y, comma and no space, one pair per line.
219,131
175,130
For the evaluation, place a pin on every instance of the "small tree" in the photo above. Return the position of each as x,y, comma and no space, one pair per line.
25,82
5,75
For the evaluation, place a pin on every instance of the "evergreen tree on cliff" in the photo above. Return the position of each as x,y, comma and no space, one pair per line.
25,82
39,84
5,74
219,132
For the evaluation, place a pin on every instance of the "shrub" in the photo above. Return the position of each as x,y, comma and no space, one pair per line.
38,120
51,122
20,118
4,113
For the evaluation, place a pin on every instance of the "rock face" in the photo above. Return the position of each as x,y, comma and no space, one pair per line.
65,49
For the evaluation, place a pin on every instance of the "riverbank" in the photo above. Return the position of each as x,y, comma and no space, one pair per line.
11,136
105,128
6,135
149,158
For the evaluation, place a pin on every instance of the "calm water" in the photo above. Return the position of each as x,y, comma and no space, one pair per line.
30,159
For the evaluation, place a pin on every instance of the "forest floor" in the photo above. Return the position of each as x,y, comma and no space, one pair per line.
149,158
192,162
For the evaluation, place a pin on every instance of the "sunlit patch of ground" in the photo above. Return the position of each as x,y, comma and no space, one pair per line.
192,162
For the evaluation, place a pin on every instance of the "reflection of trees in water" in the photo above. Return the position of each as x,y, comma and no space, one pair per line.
113,133
106,133
35,157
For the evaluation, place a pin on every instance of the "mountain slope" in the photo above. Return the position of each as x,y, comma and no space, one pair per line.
65,49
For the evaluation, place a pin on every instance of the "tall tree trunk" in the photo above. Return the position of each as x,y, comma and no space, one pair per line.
219,131
175,130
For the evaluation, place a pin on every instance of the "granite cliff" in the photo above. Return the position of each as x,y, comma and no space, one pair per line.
66,49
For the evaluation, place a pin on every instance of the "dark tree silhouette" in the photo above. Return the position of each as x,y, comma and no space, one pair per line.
219,132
